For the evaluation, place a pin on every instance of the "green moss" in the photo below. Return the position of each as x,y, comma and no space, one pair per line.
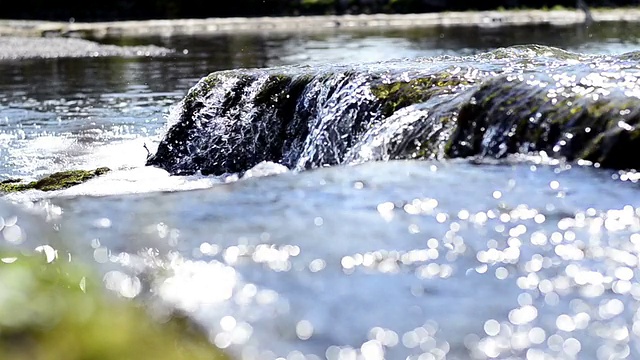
592,150
301,81
55,181
613,147
203,87
273,90
432,146
510,116
234,95
58,310
559,8
318,6
399,94
311,3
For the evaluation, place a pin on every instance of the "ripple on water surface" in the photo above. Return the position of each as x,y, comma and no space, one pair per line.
393,260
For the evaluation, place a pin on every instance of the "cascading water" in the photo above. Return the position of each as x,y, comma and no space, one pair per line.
512,100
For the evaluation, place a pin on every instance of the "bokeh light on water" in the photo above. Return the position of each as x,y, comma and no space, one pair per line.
384,260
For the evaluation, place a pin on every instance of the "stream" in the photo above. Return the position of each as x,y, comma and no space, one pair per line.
525,256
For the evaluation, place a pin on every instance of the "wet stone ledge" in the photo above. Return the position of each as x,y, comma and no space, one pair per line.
56,181
518,100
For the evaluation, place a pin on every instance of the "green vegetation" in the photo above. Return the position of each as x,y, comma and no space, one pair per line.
317,6
56,310
56,181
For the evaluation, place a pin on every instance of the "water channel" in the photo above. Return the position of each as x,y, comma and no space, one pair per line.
526,257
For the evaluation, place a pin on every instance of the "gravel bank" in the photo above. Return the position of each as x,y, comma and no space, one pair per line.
21,39
13,48
214,25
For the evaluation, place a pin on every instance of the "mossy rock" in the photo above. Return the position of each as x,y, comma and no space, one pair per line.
202,88
58,310
398,94
56,181
521,99
274,89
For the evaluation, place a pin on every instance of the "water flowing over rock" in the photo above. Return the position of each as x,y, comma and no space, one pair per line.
522,99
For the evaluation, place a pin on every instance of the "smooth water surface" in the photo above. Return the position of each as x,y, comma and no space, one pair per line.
523,258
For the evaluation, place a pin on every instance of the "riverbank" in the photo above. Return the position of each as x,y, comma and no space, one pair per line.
97,30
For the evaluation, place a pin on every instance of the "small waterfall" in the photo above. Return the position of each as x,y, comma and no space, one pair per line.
417,131
339,118
514,100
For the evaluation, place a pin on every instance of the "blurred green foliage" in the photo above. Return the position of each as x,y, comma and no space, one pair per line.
53,311
164,9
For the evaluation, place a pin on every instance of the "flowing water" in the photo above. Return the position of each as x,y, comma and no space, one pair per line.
526,257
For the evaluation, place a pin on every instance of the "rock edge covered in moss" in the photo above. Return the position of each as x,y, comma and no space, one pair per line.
523,99
56,181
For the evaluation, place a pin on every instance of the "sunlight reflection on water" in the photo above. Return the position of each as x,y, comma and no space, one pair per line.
405,262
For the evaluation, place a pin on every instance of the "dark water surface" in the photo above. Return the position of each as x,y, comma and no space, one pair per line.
525,258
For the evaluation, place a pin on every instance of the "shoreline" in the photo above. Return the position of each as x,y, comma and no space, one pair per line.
132,28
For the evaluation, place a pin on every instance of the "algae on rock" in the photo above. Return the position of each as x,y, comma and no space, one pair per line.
56,181
399,94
